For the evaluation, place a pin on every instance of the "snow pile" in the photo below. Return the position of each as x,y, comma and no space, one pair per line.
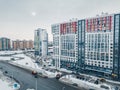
65,70
5,57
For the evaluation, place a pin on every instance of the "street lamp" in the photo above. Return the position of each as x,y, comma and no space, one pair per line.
35,76
36,81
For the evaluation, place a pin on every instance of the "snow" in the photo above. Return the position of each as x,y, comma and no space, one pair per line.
3,54
5,82
28,62
71,79
5,57
9,52
65,70
4,85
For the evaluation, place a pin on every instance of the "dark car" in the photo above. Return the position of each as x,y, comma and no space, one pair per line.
6,72
58,76
75,84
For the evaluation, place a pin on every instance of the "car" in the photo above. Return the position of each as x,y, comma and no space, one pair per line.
58,76
34,73
73,72
75,84
6,72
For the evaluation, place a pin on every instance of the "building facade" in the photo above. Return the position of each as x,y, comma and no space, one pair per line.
56,44
101,46
91,46
116,47
22,44
50,48
5,44
65,45
99,34
41,42
81,46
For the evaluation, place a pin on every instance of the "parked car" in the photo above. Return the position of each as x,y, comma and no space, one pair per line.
75,84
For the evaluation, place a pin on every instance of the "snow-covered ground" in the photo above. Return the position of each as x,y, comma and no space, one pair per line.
71,79
5,57
28,62
6,83
9,52
65,70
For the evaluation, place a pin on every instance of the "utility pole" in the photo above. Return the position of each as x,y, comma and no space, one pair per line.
36,76
36,83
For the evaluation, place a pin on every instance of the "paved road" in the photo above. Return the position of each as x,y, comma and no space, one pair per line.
28,81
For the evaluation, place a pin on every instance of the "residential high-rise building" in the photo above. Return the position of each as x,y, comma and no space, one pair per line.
90,45
65,45
101,46
99,34
41,42
5,44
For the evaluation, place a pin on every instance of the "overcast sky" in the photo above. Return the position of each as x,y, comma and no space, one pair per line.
19,18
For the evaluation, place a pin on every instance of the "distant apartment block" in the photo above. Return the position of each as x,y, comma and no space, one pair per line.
5,44
41,42
90,45
22,44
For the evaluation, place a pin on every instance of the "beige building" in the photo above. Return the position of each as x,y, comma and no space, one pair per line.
22,44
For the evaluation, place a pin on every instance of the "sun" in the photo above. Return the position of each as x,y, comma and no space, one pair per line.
33,13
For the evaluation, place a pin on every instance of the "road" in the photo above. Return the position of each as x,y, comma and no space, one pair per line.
27,80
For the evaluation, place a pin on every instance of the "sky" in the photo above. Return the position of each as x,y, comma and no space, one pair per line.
19,18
